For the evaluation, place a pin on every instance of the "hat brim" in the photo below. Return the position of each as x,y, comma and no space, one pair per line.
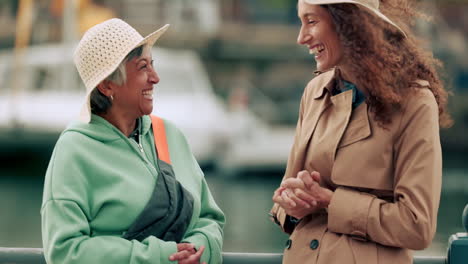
373,10
85,112
153,37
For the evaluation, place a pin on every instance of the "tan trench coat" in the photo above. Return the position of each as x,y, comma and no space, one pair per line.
386,182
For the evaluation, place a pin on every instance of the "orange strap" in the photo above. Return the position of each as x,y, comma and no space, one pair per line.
160,139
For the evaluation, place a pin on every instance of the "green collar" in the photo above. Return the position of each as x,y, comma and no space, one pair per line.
358,95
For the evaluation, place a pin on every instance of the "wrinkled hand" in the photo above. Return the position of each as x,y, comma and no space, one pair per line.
187,254
307,188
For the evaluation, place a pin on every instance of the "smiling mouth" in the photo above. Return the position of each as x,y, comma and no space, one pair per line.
148,94
317,49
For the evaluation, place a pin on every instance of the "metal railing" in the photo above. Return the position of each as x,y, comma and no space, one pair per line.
457,253
35,256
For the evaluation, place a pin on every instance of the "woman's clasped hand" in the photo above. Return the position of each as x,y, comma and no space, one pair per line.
187,254
302,195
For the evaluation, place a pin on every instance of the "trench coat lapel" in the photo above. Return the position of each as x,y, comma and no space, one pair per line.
343,109
308,128
315,106
319,101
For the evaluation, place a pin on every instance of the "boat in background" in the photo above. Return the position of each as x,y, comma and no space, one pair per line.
43,103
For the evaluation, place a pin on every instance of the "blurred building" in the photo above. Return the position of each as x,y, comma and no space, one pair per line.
192,22
251,40
89,13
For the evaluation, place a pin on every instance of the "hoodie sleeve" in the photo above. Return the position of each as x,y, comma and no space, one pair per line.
66,215
67,239
208,230
208,220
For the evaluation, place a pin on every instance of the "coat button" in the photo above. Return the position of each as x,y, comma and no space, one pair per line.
288,244
314,244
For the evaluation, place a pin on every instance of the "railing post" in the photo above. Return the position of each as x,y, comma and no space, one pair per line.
458,243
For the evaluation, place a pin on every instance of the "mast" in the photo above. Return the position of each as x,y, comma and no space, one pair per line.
23,36
69,37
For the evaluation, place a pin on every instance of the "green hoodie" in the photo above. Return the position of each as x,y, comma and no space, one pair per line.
97,183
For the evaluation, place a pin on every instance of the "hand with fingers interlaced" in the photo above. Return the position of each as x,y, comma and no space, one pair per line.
302,195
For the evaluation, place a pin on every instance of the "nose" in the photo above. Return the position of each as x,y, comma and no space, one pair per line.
153,76
303,37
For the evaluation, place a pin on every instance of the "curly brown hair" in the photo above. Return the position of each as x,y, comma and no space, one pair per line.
384,62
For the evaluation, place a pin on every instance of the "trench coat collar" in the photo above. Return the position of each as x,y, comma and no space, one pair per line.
330,77
327,82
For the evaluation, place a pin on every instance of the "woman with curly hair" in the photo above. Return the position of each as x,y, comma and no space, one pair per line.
363,179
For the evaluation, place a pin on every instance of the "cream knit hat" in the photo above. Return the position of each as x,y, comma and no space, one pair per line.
102,49
371,5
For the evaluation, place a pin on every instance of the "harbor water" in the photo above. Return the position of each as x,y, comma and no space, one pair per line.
246,201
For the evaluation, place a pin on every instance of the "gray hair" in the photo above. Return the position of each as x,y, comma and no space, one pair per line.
101,103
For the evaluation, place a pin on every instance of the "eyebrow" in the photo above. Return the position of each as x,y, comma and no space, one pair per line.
310,14
141,59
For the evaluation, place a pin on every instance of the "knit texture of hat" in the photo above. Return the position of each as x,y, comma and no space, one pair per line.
101,50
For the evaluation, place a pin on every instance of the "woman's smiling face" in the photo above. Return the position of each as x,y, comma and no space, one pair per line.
135,96
318,33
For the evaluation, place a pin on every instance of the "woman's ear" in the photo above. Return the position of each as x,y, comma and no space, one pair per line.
106,88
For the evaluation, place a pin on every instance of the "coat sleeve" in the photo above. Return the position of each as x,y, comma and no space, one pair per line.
277,213
65,215
409,221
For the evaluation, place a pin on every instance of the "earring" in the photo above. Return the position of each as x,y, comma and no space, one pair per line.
112,97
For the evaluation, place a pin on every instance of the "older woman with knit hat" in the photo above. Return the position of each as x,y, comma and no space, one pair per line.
363,179
123,186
